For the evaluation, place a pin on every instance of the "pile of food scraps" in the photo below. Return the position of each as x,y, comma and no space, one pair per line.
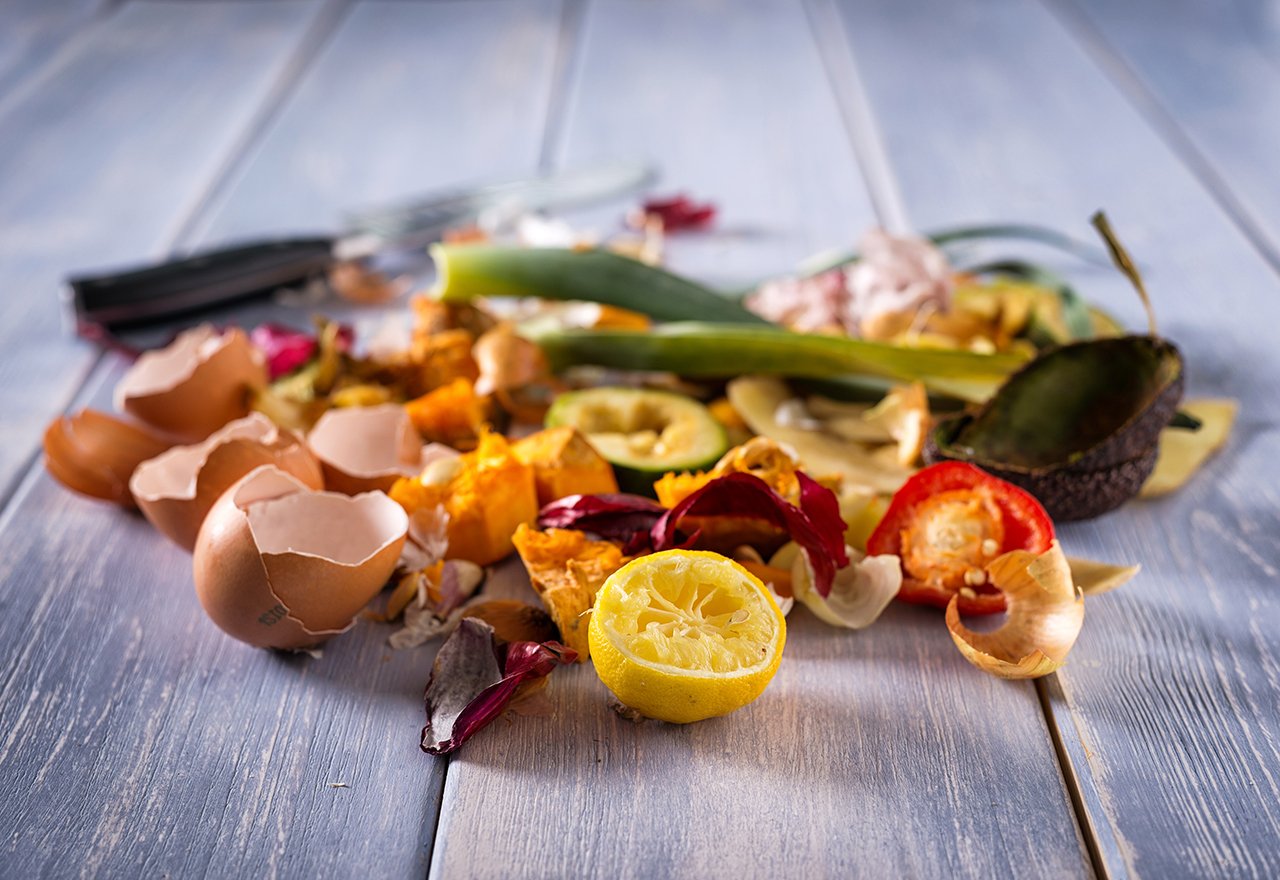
675,467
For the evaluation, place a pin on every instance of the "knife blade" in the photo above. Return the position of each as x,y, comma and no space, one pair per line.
224,274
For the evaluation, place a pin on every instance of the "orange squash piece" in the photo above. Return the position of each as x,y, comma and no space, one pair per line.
488,495
452,414
566,569
565,463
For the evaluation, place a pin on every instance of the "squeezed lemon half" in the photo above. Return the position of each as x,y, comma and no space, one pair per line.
685,635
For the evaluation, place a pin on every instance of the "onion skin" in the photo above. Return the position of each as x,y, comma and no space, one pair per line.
94,454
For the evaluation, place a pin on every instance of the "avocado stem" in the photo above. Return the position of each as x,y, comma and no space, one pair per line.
1125,264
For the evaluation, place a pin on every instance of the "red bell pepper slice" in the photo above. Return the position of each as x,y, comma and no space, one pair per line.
946,523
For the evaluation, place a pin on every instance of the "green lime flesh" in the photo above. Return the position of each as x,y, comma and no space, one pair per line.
643,431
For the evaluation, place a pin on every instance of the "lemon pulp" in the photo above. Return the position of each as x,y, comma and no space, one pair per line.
685,635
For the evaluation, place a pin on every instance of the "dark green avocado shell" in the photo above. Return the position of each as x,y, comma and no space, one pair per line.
1078,427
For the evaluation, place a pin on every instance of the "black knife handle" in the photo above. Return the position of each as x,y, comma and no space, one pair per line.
204,279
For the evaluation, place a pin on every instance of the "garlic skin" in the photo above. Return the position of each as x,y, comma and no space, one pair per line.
195,385
177,489
277,565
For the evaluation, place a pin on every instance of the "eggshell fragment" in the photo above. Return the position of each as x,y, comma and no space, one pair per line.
369,448
176,490
195,385
95,454
277,565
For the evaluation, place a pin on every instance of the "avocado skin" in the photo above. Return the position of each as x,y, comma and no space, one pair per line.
1101,478
1068,493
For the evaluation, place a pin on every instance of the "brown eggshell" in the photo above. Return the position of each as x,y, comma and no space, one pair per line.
95,454
195,385
277,565
368,448
176,490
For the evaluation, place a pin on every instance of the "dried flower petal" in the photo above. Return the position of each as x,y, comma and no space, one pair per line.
1045,614
815,525
468,689
613,515
287,349
676,213
860,593
441,591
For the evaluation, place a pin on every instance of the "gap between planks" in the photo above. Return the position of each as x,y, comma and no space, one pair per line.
313,40
1129,83
564,71
836,51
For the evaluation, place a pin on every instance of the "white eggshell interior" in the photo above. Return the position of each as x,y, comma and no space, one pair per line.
373,441
344,529
168,367
173,474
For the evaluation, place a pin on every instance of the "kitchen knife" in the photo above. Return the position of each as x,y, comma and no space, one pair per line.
225,274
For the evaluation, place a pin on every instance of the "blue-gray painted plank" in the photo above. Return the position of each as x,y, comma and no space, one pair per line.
32,31
100,164
1173,688
137,739
877,753
1210,75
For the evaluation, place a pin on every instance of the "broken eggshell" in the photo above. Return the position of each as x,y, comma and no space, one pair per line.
95,454
369,448
176,490
278,565
195,385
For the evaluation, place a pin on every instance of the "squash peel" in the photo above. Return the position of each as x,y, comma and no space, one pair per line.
566,568
1045,614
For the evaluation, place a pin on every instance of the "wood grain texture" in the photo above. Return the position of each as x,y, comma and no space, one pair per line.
871,754
135,738
1167,706
411,113
33,31
100,164
1209,75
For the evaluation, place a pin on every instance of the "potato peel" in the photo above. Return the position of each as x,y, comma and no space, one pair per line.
1182,453
1094,578
1045,614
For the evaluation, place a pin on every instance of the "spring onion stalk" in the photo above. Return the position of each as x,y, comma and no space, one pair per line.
593,275
709,350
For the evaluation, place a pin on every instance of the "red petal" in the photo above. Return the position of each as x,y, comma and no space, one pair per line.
466,691
680,212
817,528
287,349
613,516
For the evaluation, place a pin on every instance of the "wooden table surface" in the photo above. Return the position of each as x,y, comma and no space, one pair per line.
138,741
